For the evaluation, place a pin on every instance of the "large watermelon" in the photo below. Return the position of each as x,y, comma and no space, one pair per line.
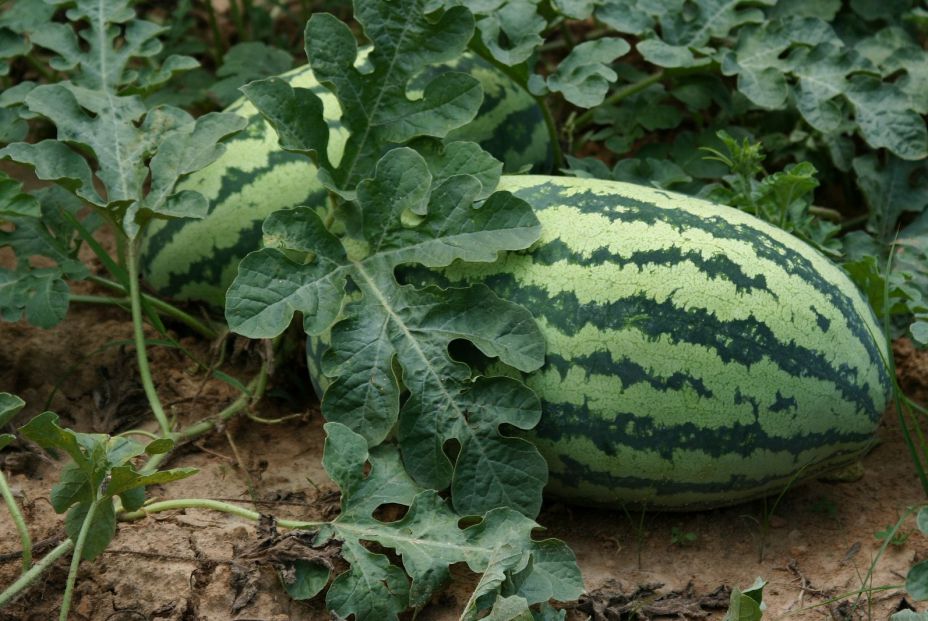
197,259
696,356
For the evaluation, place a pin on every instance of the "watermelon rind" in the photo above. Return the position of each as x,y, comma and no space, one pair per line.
696,355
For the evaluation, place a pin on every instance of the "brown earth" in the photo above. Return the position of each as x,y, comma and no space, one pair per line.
183,565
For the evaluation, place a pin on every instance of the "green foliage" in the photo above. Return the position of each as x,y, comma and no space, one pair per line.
245,62
680,537
894,536
101,119
101,470
747,605
836,88
427,540
430,204
916,581
17,23
40,225
783,198
583,77
10,406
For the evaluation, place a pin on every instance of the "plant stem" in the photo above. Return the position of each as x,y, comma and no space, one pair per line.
550,124
218,44
825,213
100,299
898,397
851,223
255,389
214,505
17,516
237,20
141,353
163,307
40,68
37,570
76,559
199,428
553,134
585,119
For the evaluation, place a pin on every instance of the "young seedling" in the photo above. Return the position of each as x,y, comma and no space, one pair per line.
895,537
681,538
747,605
100,474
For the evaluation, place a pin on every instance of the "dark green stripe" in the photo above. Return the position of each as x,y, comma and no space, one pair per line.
645,432
718,266
577,474
765,246
740,341
209,268
629,371
233,181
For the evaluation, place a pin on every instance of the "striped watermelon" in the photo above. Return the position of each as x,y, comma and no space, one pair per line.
197,259
697,356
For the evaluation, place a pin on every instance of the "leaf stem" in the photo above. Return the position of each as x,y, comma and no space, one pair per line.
825,213
585,119
76,558
37,570
898,397
99,299
163,307
17,516
139,334
550,124
214,505
851,223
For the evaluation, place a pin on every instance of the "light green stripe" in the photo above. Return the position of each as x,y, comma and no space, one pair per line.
573,187
677,407
685,466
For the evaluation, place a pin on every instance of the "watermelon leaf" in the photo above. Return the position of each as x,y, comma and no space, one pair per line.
36,228
101,469
391,324
100,119
584,75
375,107
428,539
428,203
10,406
244,62
837,89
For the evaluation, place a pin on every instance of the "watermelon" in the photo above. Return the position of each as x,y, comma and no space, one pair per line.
198,259
696,355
